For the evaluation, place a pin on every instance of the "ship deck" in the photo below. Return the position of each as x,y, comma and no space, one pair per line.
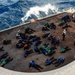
19,63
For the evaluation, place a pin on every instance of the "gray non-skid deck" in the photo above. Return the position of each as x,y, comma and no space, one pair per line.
20,63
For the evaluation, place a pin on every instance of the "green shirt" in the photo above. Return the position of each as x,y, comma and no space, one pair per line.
63,49
3,62
47,48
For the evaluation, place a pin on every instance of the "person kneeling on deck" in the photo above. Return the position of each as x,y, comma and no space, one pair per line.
5,42
4,62
34,65
26,53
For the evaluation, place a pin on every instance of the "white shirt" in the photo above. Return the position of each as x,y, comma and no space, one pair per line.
64,31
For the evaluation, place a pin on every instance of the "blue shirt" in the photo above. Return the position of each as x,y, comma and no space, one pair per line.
48,62
25,53
61,59
32,63
35,48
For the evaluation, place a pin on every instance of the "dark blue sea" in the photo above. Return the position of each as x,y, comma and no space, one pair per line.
15,12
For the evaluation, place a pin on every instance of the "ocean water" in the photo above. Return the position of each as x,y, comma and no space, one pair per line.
15,12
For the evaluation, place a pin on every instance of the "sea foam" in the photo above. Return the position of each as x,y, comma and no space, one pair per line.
40,11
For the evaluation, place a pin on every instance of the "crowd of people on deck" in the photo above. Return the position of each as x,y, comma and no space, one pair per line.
26,40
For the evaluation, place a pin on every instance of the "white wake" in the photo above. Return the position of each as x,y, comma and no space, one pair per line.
40,11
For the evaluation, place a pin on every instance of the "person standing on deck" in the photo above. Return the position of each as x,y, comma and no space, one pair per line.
63,34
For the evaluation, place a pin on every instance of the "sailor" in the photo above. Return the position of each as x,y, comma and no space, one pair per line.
26,53
34,65
64,34
66,26
1,48
36,49
7,60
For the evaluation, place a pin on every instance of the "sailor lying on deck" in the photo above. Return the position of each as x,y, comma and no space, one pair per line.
19,45
63,50
55,41
4,62
34,65
45,44
28,42
26,53
29,30
44,28
31,37
36,49
44,51
5,41
66,18
47,51
66,26
50,61
3,56
26,46
38,43
47,24
35,39
59,61
61,23
49,37
52,26
45,35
